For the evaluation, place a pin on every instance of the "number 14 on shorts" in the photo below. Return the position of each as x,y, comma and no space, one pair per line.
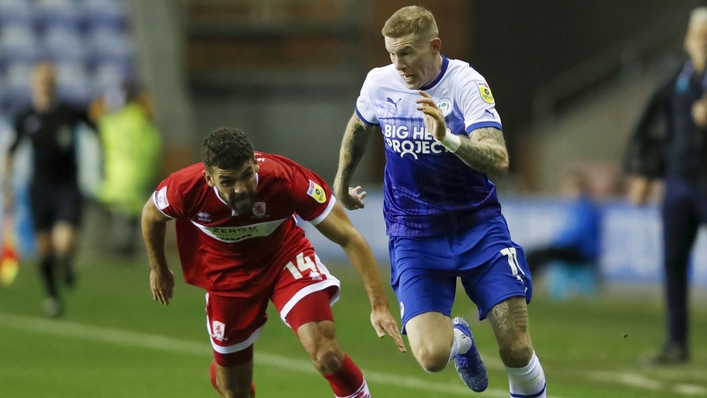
304,263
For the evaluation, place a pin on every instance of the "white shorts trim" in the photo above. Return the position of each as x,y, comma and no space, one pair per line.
230,349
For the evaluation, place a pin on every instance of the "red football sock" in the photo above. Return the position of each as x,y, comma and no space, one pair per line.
212,372
348,380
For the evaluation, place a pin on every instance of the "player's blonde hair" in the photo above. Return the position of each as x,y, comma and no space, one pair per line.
698,17
411,19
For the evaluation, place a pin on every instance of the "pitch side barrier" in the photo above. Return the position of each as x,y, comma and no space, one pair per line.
631,240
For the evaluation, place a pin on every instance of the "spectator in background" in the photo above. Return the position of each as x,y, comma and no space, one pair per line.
670,142
55,199
132,150
578,242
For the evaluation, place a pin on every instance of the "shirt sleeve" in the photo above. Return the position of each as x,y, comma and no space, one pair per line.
645,152
312,196
168,199
477,104
365,107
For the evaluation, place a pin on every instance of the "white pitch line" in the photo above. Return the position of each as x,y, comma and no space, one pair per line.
155,342
676,375
629,379
640,381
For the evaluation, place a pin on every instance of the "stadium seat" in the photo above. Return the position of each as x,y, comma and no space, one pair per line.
105,13
17,43
88,41
64,44
565,281
72,83
110,45
15,11
110,75
57,12
17,80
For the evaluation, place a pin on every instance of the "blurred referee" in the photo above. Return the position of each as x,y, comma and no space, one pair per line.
55,198
670,142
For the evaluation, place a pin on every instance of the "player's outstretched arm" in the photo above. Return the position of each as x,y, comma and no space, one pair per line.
338,228
353,146
154,227
484,150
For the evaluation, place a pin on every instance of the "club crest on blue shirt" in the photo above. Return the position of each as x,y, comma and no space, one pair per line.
445,105
316,191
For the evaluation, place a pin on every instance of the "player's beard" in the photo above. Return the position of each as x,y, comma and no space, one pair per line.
243,204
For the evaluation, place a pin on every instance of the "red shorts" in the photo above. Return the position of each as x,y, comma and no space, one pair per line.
235,323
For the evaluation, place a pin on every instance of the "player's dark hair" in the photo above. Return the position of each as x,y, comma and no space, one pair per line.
226,148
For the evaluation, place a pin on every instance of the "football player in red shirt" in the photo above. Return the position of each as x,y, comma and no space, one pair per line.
238,239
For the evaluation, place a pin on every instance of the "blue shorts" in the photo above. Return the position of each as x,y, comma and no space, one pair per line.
424,270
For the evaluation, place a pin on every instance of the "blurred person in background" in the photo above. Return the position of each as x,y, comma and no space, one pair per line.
670,142
132,153
443,138
55,198
238,239
578,242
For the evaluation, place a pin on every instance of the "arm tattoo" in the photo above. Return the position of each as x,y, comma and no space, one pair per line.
353,146
485,151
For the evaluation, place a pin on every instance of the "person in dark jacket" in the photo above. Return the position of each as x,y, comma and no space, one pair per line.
670,143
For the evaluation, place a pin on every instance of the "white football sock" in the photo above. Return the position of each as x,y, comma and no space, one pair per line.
460,345
528,381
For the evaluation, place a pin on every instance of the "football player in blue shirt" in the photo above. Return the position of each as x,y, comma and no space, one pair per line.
442,138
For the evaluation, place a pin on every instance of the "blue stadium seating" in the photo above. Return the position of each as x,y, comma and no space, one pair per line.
15,11
111,74
89,40
17,82
56,12
105,13
18,43
64,44
73,82
110,45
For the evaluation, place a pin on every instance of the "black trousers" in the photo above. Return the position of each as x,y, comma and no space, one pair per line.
684,209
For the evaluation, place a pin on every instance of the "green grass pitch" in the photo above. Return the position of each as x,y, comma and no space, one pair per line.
114,341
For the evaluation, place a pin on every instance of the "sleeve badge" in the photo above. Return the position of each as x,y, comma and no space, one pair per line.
316,192
485,92
161,198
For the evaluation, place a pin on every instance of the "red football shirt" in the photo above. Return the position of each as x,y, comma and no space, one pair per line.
240,255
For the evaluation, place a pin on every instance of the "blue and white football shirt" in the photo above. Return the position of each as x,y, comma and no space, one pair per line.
429,190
